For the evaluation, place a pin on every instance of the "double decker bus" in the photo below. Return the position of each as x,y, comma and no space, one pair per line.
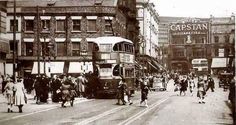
200,66
114,60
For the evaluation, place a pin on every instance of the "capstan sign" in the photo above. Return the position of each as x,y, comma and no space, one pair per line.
189,28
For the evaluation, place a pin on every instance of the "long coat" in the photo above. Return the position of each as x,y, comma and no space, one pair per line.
19,96
9,92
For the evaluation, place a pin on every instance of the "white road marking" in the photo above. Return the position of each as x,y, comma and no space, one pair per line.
86,121
94,118
141,113
53,107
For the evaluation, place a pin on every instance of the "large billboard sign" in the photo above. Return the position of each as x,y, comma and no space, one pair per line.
189,28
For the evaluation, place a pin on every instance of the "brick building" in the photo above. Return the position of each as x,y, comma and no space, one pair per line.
66,30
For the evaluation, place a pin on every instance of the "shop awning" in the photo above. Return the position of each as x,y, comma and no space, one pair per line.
158,65
219,62
50,67
4,45
9,68
138,65
80,67
154,67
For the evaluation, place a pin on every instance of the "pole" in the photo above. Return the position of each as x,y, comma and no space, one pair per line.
44,55
14,43
38,41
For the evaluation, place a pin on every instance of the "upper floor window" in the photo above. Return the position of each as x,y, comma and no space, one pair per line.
108,25
12,46
60,25
91,25
75,49
12,25
76,25
226,38
29,25
216,38
29,48
45,25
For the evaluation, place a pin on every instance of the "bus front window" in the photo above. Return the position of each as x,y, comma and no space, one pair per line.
117,71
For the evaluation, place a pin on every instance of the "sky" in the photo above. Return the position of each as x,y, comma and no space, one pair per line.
195,8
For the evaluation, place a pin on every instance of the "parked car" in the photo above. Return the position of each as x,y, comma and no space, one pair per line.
224,79
158,84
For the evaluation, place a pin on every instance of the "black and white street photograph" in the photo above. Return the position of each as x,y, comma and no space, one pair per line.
117,62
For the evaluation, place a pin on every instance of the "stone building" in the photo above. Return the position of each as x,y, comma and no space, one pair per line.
216,43
223,43
4,46
66,30
148,44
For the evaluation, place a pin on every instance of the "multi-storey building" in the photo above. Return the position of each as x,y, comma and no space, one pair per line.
58,32
223,43
4,46
148,45
206,38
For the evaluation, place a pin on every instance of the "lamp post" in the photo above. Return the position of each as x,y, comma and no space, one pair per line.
14,43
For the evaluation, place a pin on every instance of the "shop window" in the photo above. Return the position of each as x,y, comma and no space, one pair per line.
75,49
91,26
76,25
60,25
198,53
12,25
29,48
29,25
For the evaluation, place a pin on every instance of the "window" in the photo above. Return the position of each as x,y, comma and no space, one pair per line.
216,38
29,48
12,45
60,49
60,25
178,53
29,25
198,53
75,49
12,25
105,47
116,70
216,52
45,25
226,38
45,49
76,25
91,25
108,25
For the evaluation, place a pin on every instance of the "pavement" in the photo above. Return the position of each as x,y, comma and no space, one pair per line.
31,105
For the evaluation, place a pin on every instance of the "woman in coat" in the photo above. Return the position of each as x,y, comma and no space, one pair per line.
9,91
20,98
201,91
144,92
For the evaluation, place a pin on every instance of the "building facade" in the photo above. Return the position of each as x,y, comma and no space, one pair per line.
148,44
223,43
4,46
211,38
54,33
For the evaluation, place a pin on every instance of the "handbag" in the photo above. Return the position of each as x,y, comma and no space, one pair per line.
25,98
